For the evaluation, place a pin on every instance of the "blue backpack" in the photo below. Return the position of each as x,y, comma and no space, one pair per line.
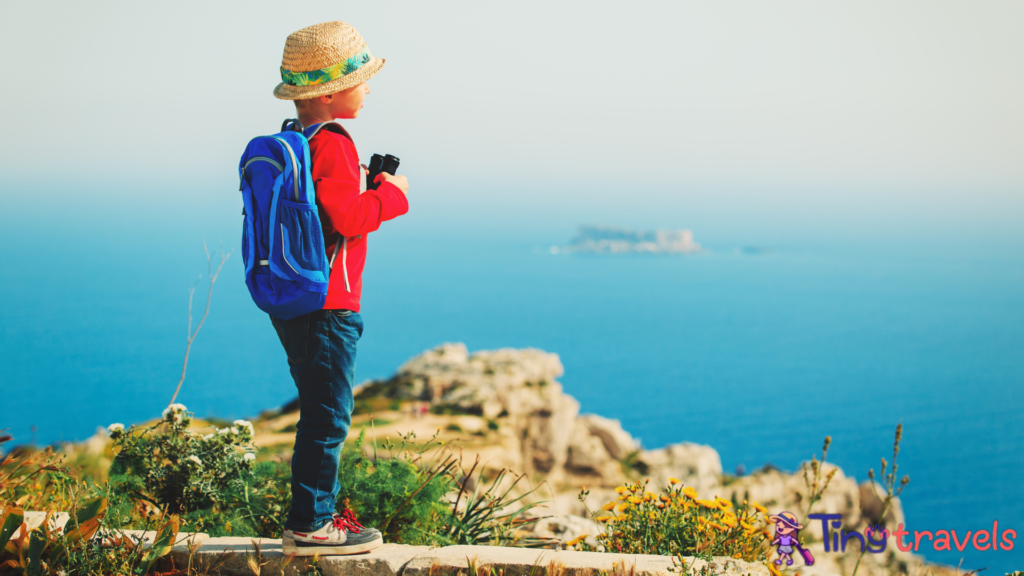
286,269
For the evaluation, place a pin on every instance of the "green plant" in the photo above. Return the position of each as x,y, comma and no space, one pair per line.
179,470
403,496
491,517
677,522
812,477
34,479
889,483
76,548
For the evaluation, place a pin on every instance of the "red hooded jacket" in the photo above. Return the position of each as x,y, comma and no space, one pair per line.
348,212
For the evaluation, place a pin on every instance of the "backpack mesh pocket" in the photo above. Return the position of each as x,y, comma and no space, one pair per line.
303,240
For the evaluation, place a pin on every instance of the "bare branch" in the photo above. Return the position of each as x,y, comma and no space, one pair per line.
209,294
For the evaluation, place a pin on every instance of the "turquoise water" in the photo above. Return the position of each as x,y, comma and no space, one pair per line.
757,353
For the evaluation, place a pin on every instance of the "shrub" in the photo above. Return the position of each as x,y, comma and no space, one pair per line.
402,496
179,470
678,522
35,479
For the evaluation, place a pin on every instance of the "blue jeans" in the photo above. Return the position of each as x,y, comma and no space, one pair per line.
321,349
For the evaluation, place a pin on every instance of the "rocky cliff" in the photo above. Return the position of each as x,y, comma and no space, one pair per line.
515,414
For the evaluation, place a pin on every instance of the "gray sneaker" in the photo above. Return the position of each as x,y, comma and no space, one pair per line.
343,535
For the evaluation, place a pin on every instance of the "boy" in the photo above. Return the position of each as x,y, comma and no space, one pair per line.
324,70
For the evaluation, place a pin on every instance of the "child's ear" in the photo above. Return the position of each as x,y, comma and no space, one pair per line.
327,98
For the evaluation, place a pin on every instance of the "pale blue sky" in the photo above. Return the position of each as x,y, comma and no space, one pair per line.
585,110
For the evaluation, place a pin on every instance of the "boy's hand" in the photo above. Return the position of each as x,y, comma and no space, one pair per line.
400,181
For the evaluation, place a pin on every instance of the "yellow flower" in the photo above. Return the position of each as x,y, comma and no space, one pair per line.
673,480
621,518
689,492
576,540
604,518
759,508
707,503
635,500
729,520
620,489
648,496
718,527
771,568
723,503
665,498
609,506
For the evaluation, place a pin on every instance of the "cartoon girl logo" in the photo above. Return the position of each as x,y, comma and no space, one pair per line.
787,537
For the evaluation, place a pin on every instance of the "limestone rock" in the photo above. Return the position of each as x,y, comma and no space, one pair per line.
779,491
567,528
871,506
517,387
568,503
693,464
588,457
525,561
616,441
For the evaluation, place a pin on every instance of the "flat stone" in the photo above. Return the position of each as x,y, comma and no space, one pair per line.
33,520
147,537
238,556
450,560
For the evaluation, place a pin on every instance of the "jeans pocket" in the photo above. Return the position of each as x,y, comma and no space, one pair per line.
294,336
341,313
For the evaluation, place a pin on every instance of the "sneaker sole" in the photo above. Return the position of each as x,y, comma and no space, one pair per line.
288,547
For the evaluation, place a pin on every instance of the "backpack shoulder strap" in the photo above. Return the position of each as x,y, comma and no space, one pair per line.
328,126
309,133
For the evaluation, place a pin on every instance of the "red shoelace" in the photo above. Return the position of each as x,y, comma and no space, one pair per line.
347,521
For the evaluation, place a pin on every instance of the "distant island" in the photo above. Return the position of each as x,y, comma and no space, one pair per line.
612,240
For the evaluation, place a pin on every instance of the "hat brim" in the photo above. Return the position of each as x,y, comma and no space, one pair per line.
367,71
787,521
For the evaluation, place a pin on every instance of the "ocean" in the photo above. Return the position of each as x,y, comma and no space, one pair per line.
757,350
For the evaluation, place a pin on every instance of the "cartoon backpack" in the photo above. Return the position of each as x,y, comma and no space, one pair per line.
286,269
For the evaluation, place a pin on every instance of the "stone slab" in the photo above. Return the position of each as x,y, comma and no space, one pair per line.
451,560
147,537
33,520
238,556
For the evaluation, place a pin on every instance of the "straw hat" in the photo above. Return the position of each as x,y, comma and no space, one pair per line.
324,59
787,518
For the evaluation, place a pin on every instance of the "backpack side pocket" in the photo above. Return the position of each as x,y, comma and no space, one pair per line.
302,243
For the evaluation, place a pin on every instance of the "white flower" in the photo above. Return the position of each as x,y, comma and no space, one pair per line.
245,424
195,459
248,457
208,436
223,431
175,413
115,427
234,430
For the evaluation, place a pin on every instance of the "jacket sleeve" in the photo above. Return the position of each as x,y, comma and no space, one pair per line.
336,173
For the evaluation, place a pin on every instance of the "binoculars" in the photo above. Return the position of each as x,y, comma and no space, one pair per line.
378,164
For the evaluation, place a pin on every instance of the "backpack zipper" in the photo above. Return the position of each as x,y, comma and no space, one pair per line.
277,165
295,165
283,255
344,264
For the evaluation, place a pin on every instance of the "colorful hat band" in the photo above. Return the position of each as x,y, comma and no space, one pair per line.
323,75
